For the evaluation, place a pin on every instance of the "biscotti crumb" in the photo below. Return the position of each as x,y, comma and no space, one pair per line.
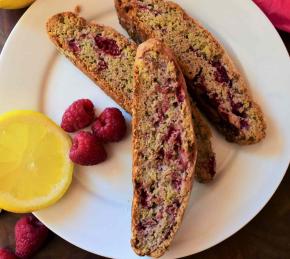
77,9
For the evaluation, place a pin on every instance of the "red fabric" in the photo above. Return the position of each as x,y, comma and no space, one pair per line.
278,12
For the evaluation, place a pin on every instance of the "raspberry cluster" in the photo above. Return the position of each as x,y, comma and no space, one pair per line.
88,147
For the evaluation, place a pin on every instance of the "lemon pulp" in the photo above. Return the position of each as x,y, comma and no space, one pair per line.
35,169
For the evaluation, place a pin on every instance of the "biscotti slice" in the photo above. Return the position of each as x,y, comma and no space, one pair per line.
213,80
103,54
164,149
107,57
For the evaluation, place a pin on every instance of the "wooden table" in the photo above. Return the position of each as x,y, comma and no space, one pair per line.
266,236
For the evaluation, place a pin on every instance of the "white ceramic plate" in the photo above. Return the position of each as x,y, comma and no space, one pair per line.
95,213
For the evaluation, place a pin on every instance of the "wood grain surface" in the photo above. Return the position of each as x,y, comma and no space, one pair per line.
267,236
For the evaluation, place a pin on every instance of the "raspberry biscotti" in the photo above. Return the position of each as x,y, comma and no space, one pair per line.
107,57
100,52
164,149
212,78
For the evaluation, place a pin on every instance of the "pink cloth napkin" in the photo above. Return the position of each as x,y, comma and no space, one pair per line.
278,11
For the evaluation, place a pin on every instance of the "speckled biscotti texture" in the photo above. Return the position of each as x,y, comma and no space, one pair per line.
103,54
164,149
107,58
212,78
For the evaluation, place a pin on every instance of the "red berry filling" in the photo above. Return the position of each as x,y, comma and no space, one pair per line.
244,124
73,45
160,154
164,89
221,74
176,180
212,104
183,160
180,94
102,65
173,135
109,46
237,107
143,197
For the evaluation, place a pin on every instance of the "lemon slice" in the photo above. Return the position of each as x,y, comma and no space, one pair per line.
14,4
35,169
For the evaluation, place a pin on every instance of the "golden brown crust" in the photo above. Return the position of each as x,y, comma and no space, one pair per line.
127,10
157,46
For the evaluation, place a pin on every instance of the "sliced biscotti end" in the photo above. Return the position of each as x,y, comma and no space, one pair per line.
102,53
164,149
205,169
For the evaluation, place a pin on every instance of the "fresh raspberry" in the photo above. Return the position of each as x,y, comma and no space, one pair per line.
78,115
7,254
87,150
110,126
30,235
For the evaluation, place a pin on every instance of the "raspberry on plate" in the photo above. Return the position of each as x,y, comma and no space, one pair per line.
110,126
78,115
7,254
87,150
30,235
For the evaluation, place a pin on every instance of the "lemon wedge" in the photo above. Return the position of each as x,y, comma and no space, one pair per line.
14,4
35,169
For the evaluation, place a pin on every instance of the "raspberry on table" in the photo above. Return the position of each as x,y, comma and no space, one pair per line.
7,254
110,126
87,150
30,235
78,115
